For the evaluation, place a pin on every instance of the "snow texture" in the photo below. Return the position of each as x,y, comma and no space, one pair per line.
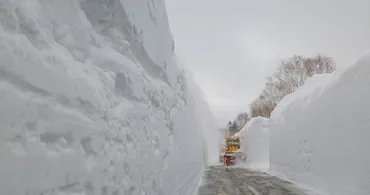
319,135
92,101
254,142
258,144
207,121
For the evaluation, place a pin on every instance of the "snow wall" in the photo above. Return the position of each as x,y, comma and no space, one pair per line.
258,144
319,135
207,121
92,101
254,142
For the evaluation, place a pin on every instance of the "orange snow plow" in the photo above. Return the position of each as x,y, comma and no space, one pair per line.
229,154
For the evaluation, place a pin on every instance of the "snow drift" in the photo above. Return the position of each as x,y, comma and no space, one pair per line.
254,142
319,135
92,102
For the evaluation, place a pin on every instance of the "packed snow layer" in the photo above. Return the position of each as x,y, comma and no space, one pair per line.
92,102
319,135
254,142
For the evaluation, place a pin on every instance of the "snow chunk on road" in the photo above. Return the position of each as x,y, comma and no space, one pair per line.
319,134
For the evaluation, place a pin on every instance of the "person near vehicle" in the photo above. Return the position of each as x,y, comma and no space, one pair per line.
227,160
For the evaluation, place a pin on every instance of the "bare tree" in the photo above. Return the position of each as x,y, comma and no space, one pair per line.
239,122
291,74
242,119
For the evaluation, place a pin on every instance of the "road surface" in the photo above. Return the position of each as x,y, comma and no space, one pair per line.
238,181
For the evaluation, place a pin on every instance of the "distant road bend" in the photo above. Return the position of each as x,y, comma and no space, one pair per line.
238,181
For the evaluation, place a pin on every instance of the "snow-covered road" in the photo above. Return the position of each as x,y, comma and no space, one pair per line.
237,181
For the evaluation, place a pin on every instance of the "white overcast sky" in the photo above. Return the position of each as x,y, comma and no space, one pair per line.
231,46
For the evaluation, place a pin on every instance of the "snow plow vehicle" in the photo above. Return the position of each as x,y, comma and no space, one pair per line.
230,153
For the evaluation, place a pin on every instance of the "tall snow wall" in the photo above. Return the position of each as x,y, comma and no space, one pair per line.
258,144
319,135
254,143
212,137
92,101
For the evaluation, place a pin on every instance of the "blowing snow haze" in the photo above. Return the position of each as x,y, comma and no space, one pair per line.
231,46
